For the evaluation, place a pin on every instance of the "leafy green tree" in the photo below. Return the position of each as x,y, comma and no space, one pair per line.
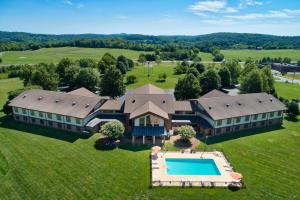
187,87
293,110
162,77
186,132
1,60
248,68
298,62
193,71
26,74
142,58
268,80
63,65
130,79
112,83
109,60
122,64
70,75
102,66
199,66
235,70
252,83
210,80
88,78
218,57
87,62
113,130
225,76
45,76
181,68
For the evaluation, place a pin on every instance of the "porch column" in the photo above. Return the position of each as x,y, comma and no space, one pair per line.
153,139
143,139
163,141
132,139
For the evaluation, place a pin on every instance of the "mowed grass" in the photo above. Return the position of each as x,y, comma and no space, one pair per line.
54,55
41,163
141,72
259,54
288,90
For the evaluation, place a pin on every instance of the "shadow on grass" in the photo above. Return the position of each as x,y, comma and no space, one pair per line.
291,118
134,147
10,123
231,136
180,143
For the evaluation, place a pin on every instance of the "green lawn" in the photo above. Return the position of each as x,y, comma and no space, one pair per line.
259,54
205,56
288,90
40,163
141,73
56,54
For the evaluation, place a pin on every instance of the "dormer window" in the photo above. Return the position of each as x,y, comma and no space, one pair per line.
87,105
73,103
57,100
40,98
133,101
164,101
271,99
227,105
24,96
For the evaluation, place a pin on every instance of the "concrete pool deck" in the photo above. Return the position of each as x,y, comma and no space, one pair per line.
161,178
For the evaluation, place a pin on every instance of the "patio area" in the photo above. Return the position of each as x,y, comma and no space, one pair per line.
226,178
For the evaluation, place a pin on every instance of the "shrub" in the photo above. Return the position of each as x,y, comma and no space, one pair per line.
186,132
162,77
131,79
113,130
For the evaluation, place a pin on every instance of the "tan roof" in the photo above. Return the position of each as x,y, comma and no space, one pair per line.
182,106
56,102
134,101
112,104
83,92
148,89
149,107
241,105
214,93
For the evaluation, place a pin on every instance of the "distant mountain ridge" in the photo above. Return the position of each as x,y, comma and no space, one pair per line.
23,40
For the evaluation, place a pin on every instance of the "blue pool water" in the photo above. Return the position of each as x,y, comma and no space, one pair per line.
192,166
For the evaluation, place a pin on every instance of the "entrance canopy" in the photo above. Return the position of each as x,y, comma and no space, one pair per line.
189,119
149,131
94,122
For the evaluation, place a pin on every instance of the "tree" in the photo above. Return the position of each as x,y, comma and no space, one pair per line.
193,71
122,64
181,68
45,76
252,83
70,76
88,78
298,62
187,88
113,130
130,79
112,83
248,68
225,76
162,77
63,65
186,132
235,70
26,74
109,60
1,60
293,109
157,59
87,62
210,80
269,80
199,66
218,57
142,58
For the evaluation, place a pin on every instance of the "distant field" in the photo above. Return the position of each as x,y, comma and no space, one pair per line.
258,54
56,54
205,56
288,90
291,76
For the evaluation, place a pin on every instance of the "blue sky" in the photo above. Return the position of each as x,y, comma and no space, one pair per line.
152,17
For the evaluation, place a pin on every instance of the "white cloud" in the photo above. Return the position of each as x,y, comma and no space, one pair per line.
68,2
202,8
246,3
80,5
283,14
219,22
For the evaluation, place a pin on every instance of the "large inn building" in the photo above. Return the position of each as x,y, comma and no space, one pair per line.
148,111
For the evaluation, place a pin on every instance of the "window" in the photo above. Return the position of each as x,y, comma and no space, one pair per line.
23,110
255,117
270,122
237,128
32,113
218,131
68,119
17,117
219,122
246,126
41,114
264,115
33,120
254,124
50,123
78,128
148,122
49,115
41,121
247,118
279,113
25,118
78,121
142,121
68,127
59,125
228,121
58,117
271,114
16,109
228,129
238,120
262,123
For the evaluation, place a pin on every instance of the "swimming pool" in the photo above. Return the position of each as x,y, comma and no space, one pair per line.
192,166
